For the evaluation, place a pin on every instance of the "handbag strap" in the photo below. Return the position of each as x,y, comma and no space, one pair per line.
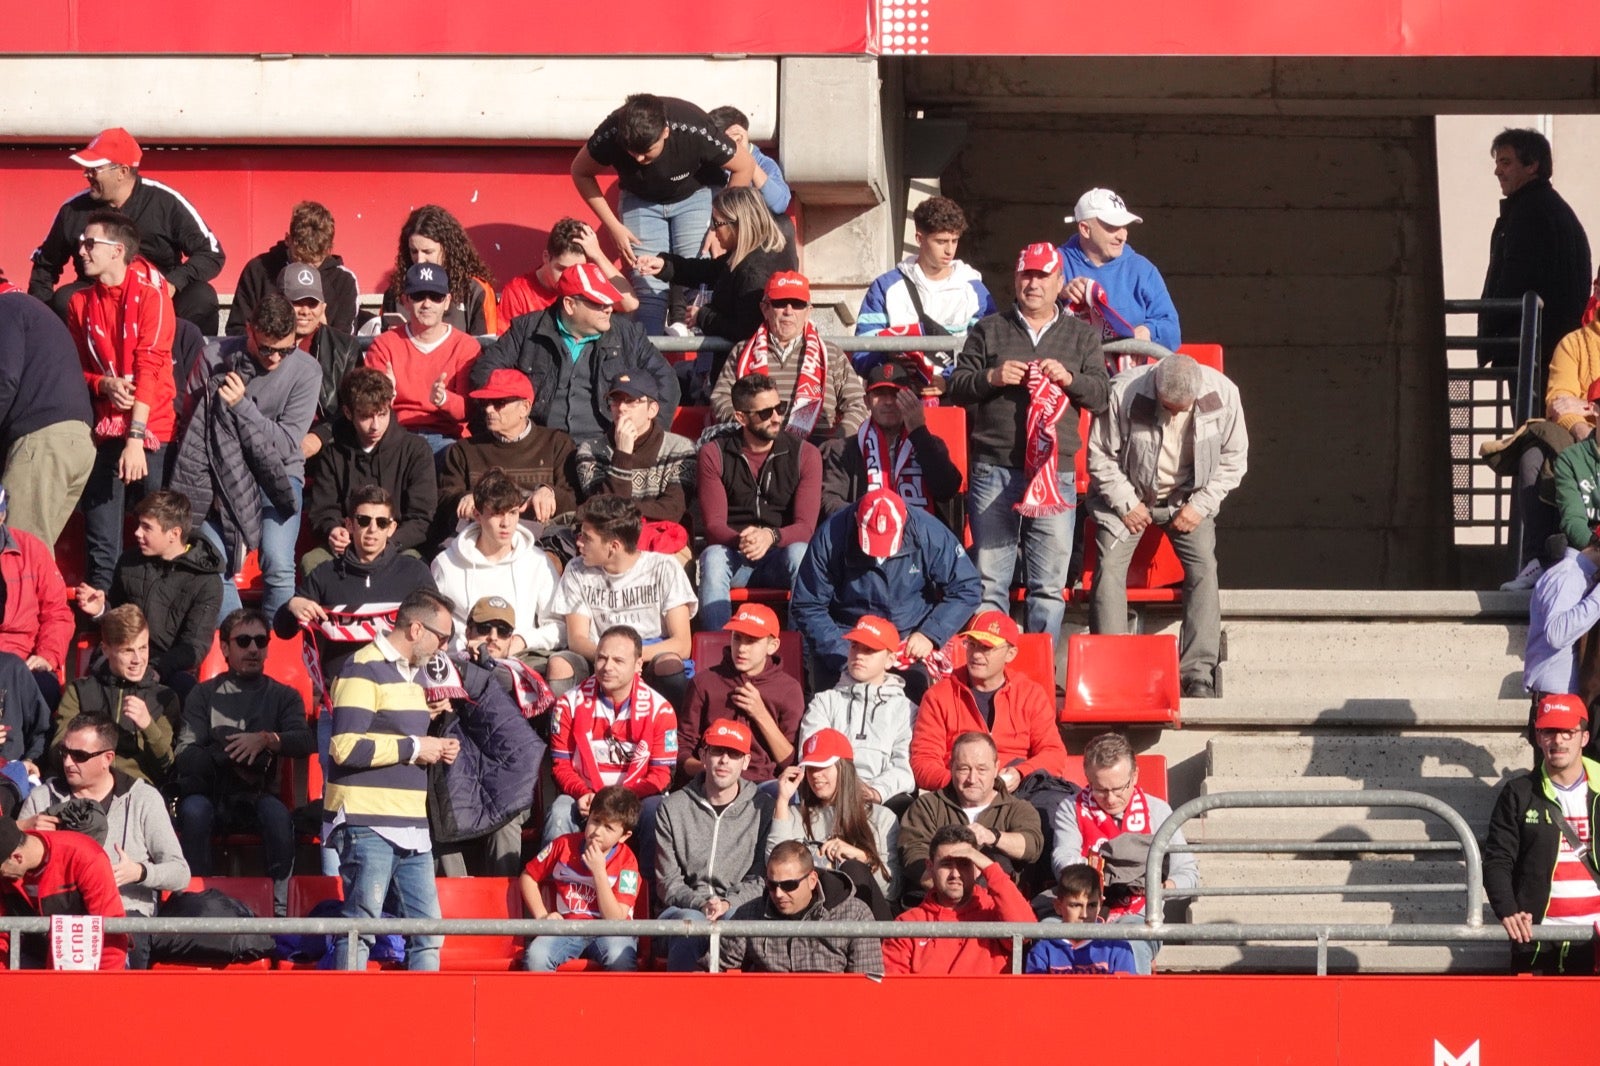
930,328
1579,848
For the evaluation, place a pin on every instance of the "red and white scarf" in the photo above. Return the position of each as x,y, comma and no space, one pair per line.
900,473
112,344
806,404
632,732
940,663
344,625
1047,405
922,361
1098,312
1097,827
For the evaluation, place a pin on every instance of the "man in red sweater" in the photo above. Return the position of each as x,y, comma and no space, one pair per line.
428,359
45,874
985,697
746,686
954,867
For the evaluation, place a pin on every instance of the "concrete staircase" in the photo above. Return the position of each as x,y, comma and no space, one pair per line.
1350,691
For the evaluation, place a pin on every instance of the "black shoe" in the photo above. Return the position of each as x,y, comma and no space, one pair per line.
1198,688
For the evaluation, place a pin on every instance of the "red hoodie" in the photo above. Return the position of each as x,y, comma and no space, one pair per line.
36,618
1024,728
75,878
126,331
1000,901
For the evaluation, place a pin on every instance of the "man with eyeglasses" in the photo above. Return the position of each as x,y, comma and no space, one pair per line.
822,392
1538,857
240,462
174,237
375,808
428,360
1112,821
760,489
146,859
796,891
236,727
573,350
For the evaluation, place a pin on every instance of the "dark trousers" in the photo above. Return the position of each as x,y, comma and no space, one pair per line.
104,504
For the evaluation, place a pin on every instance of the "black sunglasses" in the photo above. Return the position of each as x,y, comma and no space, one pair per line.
790,885
792,305
483,629
382,521
257,641
78,755
287,349
761,414
429,297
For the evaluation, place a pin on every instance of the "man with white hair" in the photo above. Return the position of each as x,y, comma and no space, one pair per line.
1168,449
1112,285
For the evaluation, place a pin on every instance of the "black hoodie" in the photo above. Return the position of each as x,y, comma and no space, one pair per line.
401,462
181,599
347,582
340,291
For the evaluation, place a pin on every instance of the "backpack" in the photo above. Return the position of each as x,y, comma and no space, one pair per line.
204,949
318,947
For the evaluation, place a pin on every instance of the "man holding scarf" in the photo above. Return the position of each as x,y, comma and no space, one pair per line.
821,390
1112,807
1024,375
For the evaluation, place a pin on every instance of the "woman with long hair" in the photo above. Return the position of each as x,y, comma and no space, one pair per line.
433,235
819,802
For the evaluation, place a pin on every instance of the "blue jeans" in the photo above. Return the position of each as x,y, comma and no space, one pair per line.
723,569
683,952
997,531
330,858
106,498
545,953
197,819
279,532
679,228
368,866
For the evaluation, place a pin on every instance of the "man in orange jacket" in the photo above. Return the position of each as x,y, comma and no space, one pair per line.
985,697
954,867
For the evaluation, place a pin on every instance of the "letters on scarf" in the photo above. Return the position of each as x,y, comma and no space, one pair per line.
1097,827
1096,310
806,404
901,473
622,750
344,625
1047,404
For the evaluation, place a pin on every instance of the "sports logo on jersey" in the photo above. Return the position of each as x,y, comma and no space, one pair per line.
628,882
669,744
545,854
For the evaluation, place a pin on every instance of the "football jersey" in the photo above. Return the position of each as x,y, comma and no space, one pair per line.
561,866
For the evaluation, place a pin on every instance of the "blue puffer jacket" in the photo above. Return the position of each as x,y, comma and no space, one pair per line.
493,779
929,586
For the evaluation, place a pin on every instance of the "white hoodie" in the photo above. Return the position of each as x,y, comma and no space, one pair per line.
877,720
526,579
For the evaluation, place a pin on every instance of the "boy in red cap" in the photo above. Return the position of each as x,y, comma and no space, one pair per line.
1538,858
869,706
747,686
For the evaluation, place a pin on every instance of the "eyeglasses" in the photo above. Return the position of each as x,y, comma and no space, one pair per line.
595,305
1557,734
429,297
90,242
444,638
1113,790
257,641
786,887
500,401
788,305
722,223
90,172
267,349
483,629
761,414
78,755
382,521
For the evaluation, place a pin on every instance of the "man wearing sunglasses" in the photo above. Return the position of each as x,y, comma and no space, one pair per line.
236,727
428,360
240,462
796,891
146,859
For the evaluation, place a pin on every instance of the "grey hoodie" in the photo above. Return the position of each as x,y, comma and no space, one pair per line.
877,720
701,853
885,831
136,821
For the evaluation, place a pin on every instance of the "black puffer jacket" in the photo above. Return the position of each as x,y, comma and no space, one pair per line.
493,778
181,598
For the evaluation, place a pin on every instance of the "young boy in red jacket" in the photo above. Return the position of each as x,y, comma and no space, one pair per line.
955,866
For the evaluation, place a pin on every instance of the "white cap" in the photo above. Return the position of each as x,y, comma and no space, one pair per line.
1105,205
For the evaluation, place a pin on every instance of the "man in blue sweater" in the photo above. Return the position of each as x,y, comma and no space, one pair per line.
1136,303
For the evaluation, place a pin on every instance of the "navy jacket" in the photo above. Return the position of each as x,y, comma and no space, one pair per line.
25,712
928,587
41,380
493,779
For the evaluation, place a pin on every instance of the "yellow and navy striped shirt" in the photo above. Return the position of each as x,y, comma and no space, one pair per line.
377,715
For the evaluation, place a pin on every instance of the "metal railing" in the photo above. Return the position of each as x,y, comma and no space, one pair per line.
849,342
1489,403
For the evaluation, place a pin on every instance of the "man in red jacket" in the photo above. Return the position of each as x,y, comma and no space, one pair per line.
985,697
954,867
36,621
45,874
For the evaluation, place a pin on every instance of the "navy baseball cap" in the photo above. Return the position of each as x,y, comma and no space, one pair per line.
427,277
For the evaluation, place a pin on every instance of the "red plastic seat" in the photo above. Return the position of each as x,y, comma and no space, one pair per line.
1122,679
691,421
1153,571
254,892
1036,658
775,598
1152,773
1205,354
479,897
707,648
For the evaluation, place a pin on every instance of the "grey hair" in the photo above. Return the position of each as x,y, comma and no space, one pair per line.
1177,381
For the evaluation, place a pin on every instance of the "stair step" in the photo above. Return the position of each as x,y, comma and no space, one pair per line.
1292,710
1466,755
1372,603
1372,679
1472,798
1399,641
1218,871
1331,909
1342,958
1256,825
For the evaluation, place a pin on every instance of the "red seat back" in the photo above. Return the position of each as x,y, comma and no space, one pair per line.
949,424
253,892
1036,659
707,649
479,897
1154,564
1206,354
691,421
1122,678
306,892
1152,773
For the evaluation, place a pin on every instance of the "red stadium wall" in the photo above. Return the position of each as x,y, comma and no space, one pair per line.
660,1019
506,197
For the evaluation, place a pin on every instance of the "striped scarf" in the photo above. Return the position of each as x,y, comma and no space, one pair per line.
808,384
1047,404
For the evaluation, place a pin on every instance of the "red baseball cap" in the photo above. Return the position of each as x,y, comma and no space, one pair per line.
505,384
881,521
994,628
588,281
753,620
875,632
115,145
726,733
1562,711
825,747
789,285
1043,257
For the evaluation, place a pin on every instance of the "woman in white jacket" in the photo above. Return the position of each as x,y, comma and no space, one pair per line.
820,803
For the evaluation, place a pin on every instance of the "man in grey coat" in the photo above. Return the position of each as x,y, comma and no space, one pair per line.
1167,451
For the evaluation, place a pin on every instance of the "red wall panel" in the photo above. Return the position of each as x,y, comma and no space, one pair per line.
506,197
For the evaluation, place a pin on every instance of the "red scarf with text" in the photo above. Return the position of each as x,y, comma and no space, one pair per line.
112,344
1098,312
900,473
643,703
1047,404
344,625
1097,827
806,404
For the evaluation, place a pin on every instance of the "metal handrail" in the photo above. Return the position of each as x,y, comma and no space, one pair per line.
1128,346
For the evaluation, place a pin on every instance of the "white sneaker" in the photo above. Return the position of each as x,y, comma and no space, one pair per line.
1526,578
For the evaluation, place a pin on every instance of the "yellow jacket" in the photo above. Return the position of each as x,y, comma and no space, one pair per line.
1574,368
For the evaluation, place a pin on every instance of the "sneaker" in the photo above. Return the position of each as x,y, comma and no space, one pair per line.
1198,688
1526,578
